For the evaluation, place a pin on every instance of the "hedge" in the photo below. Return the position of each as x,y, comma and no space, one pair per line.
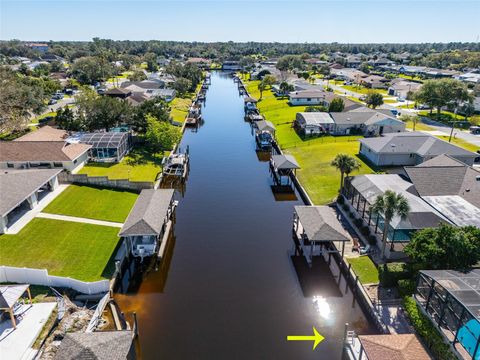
427,331
392,272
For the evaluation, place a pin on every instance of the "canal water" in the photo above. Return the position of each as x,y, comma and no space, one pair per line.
231,287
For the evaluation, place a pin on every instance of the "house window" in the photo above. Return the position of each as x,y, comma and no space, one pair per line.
309,99
75,161
412,155
10,165
57,164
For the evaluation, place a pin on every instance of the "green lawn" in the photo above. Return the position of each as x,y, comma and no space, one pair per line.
37,119
76,250
365,269
408,77
321,181
460,142
319,178
179,108
420,126
364,90
138,165
93,203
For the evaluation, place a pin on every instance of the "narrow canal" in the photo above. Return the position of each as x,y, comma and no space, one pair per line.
231,288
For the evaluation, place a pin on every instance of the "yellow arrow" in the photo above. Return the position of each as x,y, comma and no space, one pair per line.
316,338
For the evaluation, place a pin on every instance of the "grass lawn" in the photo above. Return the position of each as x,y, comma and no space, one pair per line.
179,108
365,269
76,250
138,165
420,126
460,142
319,178
37,119
314,155
364,90
408,77
93,203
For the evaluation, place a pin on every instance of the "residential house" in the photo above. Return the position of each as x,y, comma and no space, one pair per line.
147,221
166,94
373,81
144,86
350,75
105,146
360,193
353,61
469,77
42,154
22,190
310,97
449,186
314,123
200,62
402,88
411,148
231,66
381,62
119,93
41,47
365,121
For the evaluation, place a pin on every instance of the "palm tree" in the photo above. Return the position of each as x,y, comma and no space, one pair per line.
345,164
262,87
389,205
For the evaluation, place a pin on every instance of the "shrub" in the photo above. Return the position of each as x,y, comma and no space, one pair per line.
427,331
406,287
392,272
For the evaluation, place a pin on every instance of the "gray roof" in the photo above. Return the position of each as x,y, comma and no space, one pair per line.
148,214
443,176
144,84
308,94
414,142
315,118
365,116
264,125
421,214
18,185
320,223
100,345
283,162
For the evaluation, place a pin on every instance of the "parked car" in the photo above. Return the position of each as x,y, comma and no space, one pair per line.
475,130
400,99
423,107
52,101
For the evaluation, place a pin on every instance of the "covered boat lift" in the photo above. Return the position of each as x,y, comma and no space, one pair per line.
281,167
264,134
316,228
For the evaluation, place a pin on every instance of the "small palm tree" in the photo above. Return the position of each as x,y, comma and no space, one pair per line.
262,87
345,164
389,205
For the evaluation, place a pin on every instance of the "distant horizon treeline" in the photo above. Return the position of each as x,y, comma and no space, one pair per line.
110,49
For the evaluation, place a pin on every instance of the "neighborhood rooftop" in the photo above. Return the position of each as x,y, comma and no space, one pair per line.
148,213
45,133
11,151
413,142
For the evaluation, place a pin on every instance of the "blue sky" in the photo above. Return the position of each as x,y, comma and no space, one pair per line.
346,21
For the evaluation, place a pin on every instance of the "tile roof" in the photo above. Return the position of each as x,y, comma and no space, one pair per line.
45,133
100,345
393,347
15,151
148,214
18,185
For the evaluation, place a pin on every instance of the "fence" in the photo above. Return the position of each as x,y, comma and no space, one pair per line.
41,277
104,181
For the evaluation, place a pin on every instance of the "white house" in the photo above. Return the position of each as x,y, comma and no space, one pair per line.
310,97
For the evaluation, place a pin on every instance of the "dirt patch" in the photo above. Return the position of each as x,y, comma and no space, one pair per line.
381,293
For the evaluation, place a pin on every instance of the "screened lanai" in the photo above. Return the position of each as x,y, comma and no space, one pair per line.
107,146
451,299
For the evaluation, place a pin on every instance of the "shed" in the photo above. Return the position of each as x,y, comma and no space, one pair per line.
107,146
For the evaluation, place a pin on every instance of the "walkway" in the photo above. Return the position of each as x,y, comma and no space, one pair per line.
79,220
30,214
15,344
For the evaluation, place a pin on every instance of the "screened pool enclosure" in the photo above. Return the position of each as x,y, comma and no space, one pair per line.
107,146
451,300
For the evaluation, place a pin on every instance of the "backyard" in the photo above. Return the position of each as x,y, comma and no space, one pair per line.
320,179
138,165
93,203
77,250
365,269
